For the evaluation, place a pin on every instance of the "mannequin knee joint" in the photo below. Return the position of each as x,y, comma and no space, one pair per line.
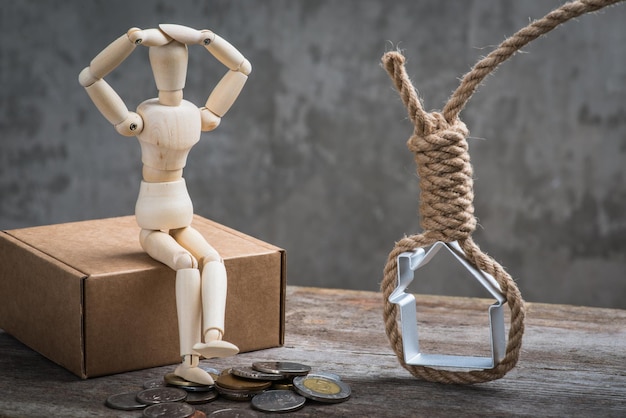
185,261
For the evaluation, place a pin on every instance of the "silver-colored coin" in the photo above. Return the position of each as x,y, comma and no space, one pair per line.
234,413
169,410
193,389
285,368
153,383
161,395
331,376
195,398
251,373
321,388
278,401
210,370
124,402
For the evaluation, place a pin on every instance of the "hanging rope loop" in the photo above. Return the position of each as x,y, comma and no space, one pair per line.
447,214
439,143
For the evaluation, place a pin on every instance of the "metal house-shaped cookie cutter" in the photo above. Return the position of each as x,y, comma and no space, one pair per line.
408,262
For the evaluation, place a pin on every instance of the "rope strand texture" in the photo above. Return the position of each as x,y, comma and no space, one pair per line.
446,200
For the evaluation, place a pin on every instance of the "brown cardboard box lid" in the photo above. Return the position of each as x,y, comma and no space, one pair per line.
92,250
84,247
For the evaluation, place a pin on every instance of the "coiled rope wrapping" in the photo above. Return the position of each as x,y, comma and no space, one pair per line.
446,200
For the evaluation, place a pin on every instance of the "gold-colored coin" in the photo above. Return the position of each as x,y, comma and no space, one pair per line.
321,388
324,386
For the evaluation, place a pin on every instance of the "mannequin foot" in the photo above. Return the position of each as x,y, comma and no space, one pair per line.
217,348
190,371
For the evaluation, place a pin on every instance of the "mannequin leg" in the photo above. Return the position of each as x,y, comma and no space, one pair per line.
163,247
189,308
214,288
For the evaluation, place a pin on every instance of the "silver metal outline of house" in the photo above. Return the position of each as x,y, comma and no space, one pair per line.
408,262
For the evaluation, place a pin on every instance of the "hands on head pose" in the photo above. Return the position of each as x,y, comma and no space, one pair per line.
167,127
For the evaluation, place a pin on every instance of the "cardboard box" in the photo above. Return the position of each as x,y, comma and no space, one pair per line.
86,296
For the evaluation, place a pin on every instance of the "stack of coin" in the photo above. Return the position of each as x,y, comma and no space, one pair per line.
196,392
170,396
293,383
283,368
155,402
237,388
270,386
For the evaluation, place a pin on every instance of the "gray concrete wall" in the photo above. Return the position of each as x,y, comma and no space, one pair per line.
312,157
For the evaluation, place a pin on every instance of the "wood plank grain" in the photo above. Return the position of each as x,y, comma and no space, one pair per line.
573,363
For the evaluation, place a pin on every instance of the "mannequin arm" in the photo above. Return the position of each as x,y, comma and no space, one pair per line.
101,93
217,46
227,90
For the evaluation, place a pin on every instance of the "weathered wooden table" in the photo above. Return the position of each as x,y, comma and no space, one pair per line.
573,363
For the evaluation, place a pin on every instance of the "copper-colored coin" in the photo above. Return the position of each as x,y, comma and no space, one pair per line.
237,395
229,381
286,384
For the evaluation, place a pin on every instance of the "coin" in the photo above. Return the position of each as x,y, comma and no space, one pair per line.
195,398
210,370
251,373
285,368
241,395
124,401
170,410
234,413
321,388
153,383
174,380
286,384
160,395
278,401
229,381
331,376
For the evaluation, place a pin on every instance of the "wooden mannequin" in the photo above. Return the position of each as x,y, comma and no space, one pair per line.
167,127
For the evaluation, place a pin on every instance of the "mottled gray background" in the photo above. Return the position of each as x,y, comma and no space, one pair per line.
312,157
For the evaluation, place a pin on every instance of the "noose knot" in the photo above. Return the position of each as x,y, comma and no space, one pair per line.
445,177
443,164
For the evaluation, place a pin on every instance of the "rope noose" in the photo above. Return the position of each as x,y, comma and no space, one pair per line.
445,181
